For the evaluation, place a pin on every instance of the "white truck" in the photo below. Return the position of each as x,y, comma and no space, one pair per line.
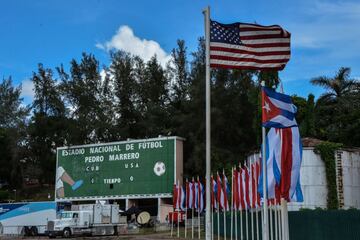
87,219
26,218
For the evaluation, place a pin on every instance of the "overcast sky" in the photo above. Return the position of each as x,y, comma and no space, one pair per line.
325,34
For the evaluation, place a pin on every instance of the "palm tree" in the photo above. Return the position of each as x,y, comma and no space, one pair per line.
338,86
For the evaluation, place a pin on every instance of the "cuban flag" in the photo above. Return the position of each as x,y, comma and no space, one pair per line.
234,192
283,160
226,193
189,195
182,198
278,111
200,196
175,196
196,195
288,177
241,189
213,193
220,192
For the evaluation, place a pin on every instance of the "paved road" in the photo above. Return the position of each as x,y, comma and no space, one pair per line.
163,236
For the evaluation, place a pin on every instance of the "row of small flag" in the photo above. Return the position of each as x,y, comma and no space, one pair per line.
241,191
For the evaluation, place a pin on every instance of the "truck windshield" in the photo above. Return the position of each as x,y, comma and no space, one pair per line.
67,215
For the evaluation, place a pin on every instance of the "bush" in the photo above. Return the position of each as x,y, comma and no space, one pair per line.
4,195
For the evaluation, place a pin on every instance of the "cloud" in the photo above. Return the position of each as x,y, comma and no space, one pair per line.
27,89
125,40
329,26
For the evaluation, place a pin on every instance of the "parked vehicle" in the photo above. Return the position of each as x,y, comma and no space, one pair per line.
28,218
87,219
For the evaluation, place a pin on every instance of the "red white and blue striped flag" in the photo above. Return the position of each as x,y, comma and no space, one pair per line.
248,46
278,109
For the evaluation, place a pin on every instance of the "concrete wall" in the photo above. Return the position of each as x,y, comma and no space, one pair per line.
313,179
351,178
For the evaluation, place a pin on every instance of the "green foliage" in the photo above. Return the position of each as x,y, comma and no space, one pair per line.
327,154
131,98
4,195
337,111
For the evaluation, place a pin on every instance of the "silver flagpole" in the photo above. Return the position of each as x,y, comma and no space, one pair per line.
232,203
236,207
208,124
218,222
241,219
271,222
276,222
178,213
199,202
285,219
172,216
252,198
241,226
265,216
247,208
212,224
256,204
192,210
225,203
192,222
257,223
236,225
279,221
186,205
247,224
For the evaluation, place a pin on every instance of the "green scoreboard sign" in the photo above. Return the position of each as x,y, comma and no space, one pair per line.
139,168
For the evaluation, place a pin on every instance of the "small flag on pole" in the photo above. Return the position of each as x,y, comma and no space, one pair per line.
248,46
278,109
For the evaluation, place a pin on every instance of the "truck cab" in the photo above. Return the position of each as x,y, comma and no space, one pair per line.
71,223
87,219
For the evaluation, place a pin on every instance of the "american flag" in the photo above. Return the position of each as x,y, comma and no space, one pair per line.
248,46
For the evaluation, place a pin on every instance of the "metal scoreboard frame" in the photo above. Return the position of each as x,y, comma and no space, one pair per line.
144,168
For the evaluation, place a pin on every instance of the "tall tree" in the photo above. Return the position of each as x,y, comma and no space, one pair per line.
48,122
154,100
12,133
83,89
178,73
337,86
122,71
337,111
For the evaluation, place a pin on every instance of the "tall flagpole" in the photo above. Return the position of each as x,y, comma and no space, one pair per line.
232,203
265,216
208,160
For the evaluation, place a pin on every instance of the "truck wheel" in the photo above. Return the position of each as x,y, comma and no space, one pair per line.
116,231
26,231
33,231
67,233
